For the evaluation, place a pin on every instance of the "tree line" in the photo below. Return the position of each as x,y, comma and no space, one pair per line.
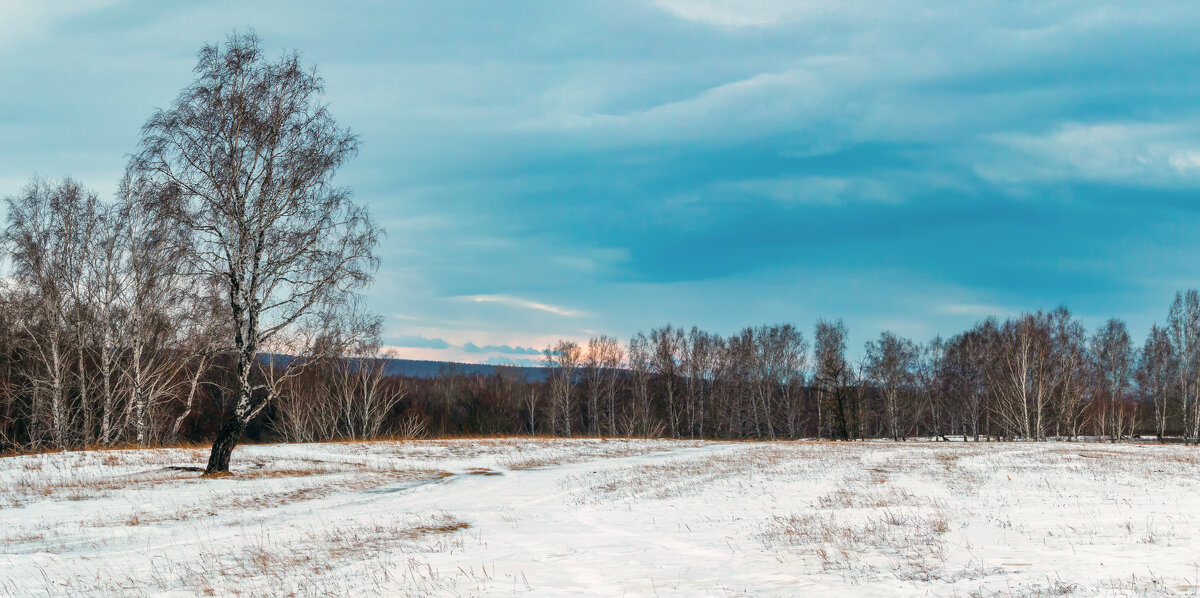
1034,377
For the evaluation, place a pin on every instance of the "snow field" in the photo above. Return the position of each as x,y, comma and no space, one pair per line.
543,517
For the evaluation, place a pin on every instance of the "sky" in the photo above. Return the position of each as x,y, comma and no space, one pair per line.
554,169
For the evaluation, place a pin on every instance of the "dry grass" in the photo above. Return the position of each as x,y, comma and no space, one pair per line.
86,476
905,543
98,448
316,489
844,498
351,559
23,487
604,449
686,476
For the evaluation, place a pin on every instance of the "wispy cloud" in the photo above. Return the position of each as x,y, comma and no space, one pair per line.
740,13
522,304
814,190
1120,152
977,310
506,349
19,20
419,342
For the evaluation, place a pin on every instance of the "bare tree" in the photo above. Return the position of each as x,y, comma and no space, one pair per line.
42,237
967,363
362,399
563,360
1069,346
1155,374
835,412
592,373
600,369
737,386
84,224
667,346
11,348
891,362
1183,330
530,400
701,357
1112,355
305,410
1024,380
248,151
791,355
931,384
111,273
156,296
779,356
640,419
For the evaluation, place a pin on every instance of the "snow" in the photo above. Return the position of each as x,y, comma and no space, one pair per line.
543,517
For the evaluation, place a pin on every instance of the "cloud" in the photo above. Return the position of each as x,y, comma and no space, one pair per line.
814,190
419,342
727,113
473,348
522,303
972,309
741,13
20,20
1151,153
469,352
446,344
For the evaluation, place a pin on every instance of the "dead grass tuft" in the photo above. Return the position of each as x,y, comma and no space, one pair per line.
908,543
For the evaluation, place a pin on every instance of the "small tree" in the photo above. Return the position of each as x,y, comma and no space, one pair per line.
700,357
563,359
600,367
1113,358
1155,373
891,363
248,150
640,419
47,225
1183,331
837,413
666,345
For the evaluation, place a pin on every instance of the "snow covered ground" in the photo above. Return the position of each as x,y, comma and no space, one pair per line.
607,518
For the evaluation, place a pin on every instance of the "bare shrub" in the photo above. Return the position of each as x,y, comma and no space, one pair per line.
412,427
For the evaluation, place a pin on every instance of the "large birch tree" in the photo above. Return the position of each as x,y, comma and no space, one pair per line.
249,148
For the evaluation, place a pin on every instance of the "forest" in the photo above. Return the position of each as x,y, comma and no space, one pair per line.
1037,376
94,365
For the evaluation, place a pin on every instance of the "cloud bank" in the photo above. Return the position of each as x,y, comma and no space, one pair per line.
555,170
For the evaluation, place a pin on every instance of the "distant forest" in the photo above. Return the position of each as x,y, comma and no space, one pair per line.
1036,376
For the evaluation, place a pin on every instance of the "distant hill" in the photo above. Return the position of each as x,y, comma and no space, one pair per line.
413,368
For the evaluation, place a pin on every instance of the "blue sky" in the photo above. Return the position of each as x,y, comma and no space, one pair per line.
561,169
